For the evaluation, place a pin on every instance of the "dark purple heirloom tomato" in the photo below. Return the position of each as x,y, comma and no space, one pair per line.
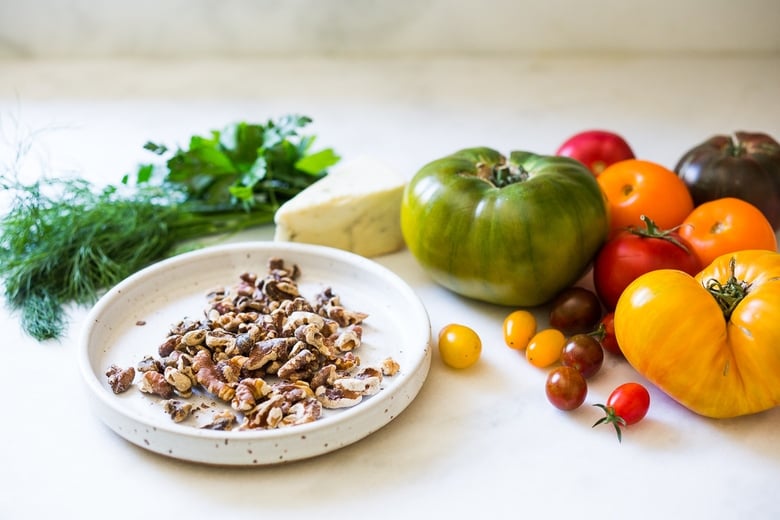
745,165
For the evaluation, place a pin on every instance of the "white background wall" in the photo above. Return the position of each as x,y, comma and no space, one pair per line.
251,28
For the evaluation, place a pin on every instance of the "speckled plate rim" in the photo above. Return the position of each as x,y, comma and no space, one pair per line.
115,312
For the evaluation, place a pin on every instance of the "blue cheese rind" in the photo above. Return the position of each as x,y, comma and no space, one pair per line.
357,208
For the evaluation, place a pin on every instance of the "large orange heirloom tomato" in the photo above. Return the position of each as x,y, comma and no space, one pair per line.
711,342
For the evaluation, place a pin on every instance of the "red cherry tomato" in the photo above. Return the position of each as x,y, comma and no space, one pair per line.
596,149
606,334
636,251
627,404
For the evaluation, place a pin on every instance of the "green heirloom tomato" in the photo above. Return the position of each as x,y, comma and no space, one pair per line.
510,232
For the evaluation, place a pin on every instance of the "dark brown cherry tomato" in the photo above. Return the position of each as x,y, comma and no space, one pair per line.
565,387
575,310
583,352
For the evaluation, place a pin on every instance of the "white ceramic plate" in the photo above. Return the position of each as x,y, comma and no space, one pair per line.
133,318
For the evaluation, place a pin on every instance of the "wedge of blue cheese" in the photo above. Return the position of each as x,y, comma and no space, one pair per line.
356,207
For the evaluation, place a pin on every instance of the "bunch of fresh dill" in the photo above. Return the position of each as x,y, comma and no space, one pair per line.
64,240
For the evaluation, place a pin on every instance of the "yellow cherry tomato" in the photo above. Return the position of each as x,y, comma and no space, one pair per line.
545,347
459,345
519,328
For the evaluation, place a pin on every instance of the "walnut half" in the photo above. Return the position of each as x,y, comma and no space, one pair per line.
120,379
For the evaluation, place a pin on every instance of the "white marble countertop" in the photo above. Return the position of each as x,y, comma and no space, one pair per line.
480,443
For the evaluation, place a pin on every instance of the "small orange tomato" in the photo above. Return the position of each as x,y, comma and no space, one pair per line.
636,187
727,225
519,328
545,347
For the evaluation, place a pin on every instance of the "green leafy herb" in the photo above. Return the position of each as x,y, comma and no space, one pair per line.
65,240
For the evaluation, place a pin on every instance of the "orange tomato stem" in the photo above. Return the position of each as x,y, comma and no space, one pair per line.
729,294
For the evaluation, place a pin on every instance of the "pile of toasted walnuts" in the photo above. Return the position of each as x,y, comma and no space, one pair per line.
275,357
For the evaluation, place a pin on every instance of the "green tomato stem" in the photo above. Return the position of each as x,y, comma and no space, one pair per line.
651,230
610,417
736,148
502,174
729,294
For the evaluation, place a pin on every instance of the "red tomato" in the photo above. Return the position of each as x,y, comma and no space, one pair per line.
634,188
636,251
596,149
627,404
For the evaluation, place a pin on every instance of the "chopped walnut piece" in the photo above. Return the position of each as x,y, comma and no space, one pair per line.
154,383
148,364
178,410
207,375
300,366
280,289
245,341
298,318
230,369
179,380
390,367
267,351
248,392
169,345
267,414
348,361
194,338
334,397
324,376
366,382
292,391
329,305
311,335
302,412
220,338
350,338
120,379
277,267
221,421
